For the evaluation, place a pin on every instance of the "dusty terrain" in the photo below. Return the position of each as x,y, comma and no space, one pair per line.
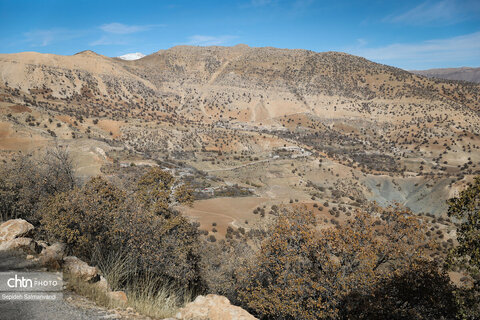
250,127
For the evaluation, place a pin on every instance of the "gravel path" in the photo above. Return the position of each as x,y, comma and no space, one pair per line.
42,310
61,310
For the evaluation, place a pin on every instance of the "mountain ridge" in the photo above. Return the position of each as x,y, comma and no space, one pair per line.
376,124
470,74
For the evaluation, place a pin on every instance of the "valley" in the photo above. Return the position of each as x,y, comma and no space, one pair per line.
250,127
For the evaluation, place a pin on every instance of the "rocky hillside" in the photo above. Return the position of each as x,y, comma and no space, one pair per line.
204,77
187,102
195,164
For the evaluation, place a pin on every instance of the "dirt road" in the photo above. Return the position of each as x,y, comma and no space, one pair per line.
66,309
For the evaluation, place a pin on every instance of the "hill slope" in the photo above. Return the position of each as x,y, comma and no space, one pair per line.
352,126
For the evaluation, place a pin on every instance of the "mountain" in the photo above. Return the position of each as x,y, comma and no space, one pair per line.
289,124
132,56
464,74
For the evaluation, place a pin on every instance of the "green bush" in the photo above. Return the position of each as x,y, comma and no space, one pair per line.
157,191
466,208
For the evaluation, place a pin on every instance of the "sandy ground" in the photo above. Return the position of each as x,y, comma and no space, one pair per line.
14,141
111,126
224,211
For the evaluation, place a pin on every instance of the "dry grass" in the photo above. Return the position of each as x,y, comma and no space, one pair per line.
147,293
89,290
149,297
117,268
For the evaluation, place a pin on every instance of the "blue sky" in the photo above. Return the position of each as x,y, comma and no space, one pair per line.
406,34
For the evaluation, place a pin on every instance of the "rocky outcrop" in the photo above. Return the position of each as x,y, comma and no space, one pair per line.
212,307
52,255
80,269
14,228
103,285
26,245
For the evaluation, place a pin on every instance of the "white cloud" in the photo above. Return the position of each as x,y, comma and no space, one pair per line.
42,38
202,40
120,28
107,41
117,33
445,51
442,12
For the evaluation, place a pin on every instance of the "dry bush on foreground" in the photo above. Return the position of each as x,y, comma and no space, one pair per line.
303,273
101,216
26,180
147,294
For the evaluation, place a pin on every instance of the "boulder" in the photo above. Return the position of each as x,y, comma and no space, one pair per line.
212,307
52,256
27,245
80,269
118,297
14,228
103,285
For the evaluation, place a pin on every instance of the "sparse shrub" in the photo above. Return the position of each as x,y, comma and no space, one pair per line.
82,218
100,216
25,181
156,191
352,258
166,245
420,291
